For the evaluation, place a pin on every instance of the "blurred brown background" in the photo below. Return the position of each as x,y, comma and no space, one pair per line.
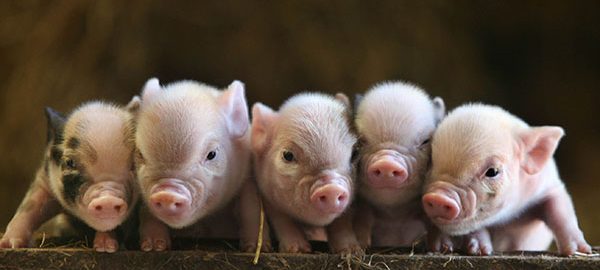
539,60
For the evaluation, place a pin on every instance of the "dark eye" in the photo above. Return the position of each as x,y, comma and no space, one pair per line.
492,172
70,164
425,142
288,156
211,155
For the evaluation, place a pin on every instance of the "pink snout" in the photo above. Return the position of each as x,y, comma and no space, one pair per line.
169,203
386,173
330,198
439,206
107,206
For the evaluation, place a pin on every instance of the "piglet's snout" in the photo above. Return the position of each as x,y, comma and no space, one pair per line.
439,206
386,173
330,198
107,207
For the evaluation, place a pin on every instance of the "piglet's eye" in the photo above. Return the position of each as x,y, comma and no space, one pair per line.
492,172
70,164
288,156
425,142
211,155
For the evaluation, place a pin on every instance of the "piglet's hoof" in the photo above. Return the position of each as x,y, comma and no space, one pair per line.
294,247
106,242
14,242
250,247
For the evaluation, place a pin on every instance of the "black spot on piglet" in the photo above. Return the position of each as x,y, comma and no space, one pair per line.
71,184
56,154
73,143
56,123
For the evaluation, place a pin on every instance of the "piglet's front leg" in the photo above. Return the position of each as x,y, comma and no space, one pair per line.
106,242
37,207
478,242
363,221
439,242
154,234
560,217
290,235
341,236
249,215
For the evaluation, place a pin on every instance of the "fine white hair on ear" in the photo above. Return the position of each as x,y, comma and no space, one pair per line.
439,109
134,104
343,98
151,89
540,144
233,104
262,118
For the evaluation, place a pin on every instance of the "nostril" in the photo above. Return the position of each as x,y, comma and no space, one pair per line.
158,204
177,204
323,199
377,172
396,173
118,208
98,207
341,198
447,208
430,204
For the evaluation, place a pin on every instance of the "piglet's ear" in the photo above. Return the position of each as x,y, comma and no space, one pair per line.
234,106
56,124
358,98
263,119
343,98
539,144
347,106
151,89
134,105
439,109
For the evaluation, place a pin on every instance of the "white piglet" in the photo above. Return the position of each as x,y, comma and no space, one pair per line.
303,164
395,122
192,161
494,182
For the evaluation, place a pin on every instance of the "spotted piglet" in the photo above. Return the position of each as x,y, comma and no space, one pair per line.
494,183
303,164
86,172
192,162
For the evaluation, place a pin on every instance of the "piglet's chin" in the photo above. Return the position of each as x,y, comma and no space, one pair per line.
104,225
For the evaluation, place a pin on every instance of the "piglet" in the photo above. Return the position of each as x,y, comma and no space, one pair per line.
395,122
192,160
494,182
303,164
86,172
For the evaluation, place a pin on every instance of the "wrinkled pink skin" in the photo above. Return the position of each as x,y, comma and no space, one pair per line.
315,187
521,208
103,159
192,162
394,122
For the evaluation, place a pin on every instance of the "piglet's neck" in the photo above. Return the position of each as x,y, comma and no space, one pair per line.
532,187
